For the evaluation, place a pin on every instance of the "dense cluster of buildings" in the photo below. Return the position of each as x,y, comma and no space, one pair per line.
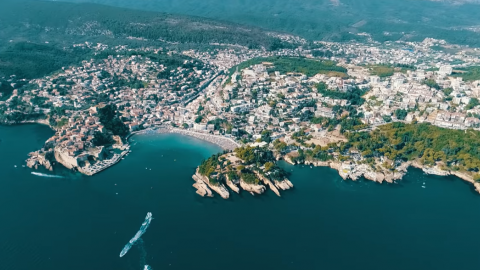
203,92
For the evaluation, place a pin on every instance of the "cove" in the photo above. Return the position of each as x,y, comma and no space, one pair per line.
78,222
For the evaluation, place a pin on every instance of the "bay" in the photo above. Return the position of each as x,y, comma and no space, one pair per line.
79,222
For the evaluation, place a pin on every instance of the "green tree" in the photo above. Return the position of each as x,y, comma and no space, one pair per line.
108,117
102,139
401,114
472,104
269,166
266,136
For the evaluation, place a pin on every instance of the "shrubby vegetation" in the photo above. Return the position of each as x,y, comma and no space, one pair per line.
382,70
401,114
48,51
98,23
249,177
455,149
472,103
346,123
320,19
354,96
469,74
221,124
255,161
388,70
30,60
208,167
432,83
5,90
101,139
108,117
257,156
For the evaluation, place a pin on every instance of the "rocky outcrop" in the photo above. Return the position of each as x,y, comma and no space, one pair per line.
220,188
288,160
37,159
232,186
259,189
268,183
350,170
284,185
202,189
467,178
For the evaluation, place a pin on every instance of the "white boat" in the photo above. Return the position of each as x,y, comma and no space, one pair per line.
137,236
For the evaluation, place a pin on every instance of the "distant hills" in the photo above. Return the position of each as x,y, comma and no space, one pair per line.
336,20
62,23
36,37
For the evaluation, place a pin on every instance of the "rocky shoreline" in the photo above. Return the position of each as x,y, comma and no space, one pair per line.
354,172
38,159
204,188
347,170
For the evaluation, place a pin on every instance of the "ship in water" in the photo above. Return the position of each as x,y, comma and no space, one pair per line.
147,267
137,236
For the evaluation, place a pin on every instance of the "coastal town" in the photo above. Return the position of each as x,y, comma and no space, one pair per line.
291,101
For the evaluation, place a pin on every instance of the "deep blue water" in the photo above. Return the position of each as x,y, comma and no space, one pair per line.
80,223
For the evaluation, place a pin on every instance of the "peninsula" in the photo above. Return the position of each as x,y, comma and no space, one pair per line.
247,167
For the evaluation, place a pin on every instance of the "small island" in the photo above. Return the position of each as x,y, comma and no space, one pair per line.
251,168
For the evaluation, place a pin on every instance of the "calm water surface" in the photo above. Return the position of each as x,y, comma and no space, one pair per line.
80,223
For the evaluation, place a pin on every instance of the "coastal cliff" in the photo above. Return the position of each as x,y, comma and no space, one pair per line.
349,170
39,159
436,170
203,185
255,188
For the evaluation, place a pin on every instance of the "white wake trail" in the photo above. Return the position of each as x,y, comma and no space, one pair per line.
46,175
137,236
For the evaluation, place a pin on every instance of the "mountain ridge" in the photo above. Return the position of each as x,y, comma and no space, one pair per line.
333,20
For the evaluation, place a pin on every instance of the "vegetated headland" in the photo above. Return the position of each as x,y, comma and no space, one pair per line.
249,168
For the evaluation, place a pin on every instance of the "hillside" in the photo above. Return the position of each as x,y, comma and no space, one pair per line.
39,35
335,19
47,21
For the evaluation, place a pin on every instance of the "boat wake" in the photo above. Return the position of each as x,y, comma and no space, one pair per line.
46,175
137,236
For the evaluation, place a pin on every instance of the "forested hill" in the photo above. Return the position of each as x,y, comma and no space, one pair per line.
59,22
335,20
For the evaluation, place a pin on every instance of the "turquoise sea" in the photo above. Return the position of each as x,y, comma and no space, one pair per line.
81,223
